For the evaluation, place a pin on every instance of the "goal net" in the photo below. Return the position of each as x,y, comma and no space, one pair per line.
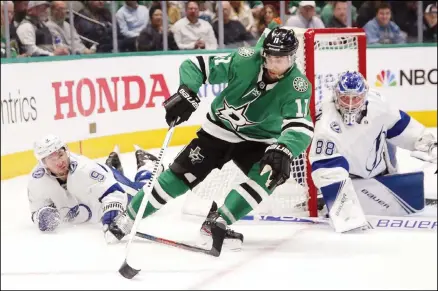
321,56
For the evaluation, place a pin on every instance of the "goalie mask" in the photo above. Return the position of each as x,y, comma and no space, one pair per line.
279,49
53,155
350,94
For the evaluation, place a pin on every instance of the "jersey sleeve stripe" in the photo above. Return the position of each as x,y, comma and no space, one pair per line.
399,126
337,162
298,126
297,120
199,62
302,130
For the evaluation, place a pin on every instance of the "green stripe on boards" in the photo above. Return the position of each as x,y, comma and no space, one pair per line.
169,182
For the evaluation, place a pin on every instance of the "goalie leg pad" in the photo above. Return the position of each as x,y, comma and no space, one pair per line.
392,195
344,208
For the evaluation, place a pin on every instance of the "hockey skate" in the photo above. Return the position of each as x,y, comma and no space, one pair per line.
113,160
233,240
121,226
143,157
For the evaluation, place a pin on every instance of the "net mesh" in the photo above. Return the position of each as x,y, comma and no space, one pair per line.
333,54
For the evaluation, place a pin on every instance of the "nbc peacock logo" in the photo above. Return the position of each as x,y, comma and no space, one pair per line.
385,79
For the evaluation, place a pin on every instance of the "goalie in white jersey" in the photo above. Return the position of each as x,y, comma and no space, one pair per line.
68,188
352,162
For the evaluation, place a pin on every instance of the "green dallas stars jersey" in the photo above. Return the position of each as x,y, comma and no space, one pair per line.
243,111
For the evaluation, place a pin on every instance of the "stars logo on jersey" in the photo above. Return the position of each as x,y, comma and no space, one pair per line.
195,155
235,116
246,52
335,127
300,84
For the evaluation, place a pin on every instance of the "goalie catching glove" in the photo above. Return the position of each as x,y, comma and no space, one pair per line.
277,160
181,105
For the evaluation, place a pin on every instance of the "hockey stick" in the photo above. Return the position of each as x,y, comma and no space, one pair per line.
431,202
215,250
375,222
126,270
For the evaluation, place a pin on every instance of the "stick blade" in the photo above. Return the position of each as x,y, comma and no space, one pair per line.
127,271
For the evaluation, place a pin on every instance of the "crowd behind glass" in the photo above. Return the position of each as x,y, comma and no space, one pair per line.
53,28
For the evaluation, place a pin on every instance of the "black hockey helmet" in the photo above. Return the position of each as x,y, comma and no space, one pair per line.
280,42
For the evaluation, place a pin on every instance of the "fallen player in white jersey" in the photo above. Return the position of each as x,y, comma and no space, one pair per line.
353,160
68,188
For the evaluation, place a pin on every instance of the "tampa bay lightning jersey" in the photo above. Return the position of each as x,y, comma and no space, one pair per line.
360,149
89,185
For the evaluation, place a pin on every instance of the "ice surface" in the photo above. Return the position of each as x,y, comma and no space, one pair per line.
285,256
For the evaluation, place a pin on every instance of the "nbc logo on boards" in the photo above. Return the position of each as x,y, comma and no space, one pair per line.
385,79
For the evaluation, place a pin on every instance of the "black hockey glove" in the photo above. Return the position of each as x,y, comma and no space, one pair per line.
276,159
181,105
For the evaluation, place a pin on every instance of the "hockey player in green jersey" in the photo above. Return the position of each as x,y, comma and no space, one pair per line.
260,121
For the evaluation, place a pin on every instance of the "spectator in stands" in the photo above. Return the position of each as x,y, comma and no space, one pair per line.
242,13
190,32
305,17
59,27
327,13
14,45
235,33
94,22
430,21
132,18
173,10
367,11
205,11
34,35
256,8
404,15
151,38
267,17
381,29
20,11
339,17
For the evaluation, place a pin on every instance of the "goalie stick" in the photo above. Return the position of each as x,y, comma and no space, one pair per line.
374,222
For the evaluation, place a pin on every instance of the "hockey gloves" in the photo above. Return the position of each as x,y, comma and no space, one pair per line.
112,210
277,160
181,105
47,218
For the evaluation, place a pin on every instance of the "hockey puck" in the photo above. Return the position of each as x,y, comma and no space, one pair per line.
127,271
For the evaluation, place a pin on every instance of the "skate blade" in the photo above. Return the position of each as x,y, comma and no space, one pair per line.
230,244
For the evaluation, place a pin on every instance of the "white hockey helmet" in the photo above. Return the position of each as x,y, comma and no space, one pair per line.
46,146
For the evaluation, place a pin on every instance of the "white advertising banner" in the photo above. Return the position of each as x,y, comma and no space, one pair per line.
86,98
406,76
